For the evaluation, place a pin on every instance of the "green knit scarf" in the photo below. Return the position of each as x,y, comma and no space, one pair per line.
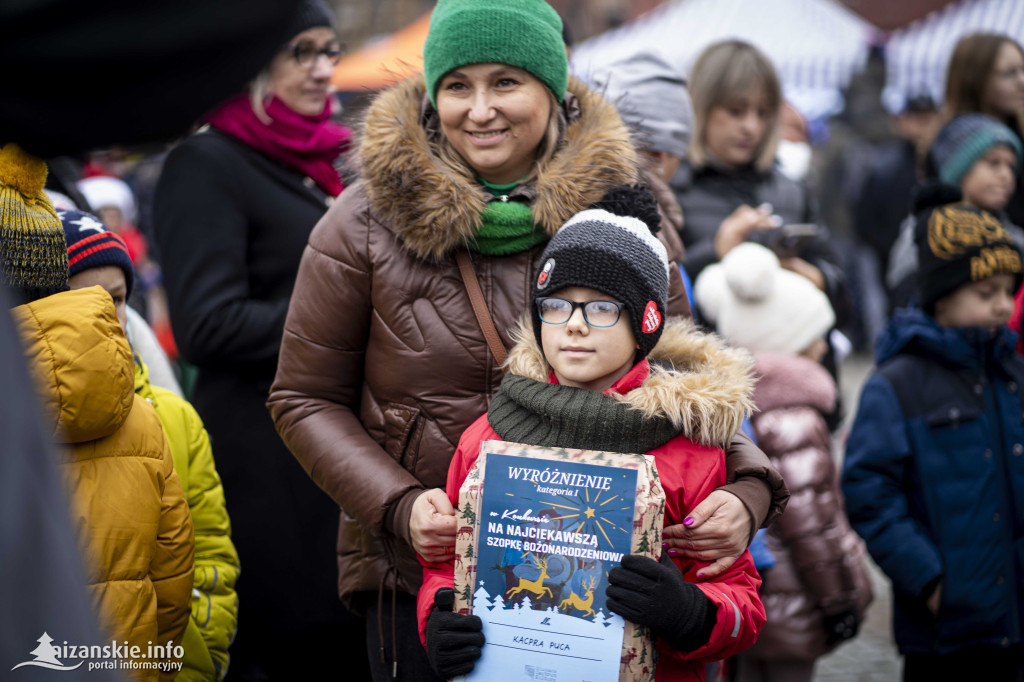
552,415
507,225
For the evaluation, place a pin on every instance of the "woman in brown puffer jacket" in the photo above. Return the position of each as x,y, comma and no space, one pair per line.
383,362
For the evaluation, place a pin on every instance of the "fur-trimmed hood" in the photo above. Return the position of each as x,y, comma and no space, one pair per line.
436,207
703,386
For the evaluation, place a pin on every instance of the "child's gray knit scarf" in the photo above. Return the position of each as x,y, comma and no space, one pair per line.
539,413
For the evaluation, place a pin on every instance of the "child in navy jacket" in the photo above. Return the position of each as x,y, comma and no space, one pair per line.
934,471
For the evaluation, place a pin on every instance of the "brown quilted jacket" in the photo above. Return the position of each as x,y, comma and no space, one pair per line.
383,364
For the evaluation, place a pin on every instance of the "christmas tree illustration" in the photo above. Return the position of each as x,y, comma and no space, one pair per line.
44,653
468,513
46,656
644,545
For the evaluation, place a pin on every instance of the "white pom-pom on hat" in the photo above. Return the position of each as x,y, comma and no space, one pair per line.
710,292
750,271
755,303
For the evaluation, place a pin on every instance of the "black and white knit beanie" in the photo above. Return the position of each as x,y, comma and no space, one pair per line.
617,255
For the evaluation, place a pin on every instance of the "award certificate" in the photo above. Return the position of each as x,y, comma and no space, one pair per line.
547,532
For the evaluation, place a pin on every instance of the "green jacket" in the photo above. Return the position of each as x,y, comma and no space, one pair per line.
214,600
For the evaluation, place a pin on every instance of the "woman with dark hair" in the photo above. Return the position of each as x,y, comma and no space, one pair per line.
233,209
465,173
986,76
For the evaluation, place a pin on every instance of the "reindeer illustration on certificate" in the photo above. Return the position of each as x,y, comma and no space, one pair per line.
549,532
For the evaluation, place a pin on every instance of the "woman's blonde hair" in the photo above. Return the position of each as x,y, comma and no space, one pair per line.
726,70
549,144
259,94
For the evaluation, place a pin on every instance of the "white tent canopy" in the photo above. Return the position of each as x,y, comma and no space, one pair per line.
917,57
816,45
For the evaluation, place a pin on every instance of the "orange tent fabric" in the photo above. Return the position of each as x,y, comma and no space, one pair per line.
385,62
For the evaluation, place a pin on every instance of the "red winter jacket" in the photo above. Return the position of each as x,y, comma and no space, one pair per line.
708,380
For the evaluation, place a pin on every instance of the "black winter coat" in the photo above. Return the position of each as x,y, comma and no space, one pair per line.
934,482
708,195
232,225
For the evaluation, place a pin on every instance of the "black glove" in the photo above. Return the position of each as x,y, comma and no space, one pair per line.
654,594
453,640
840,627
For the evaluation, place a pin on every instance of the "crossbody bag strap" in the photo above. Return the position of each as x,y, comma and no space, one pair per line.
476,299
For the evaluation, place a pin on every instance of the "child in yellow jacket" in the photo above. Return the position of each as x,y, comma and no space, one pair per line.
97,256
129,511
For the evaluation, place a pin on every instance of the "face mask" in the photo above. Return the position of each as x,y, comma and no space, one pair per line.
794,159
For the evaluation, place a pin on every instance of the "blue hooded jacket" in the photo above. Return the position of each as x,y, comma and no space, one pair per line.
934,481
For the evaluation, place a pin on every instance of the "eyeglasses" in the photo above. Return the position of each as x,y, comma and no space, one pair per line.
595,313
306,52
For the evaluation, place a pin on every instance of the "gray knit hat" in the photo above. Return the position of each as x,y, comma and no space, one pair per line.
652,99
616,255
964,140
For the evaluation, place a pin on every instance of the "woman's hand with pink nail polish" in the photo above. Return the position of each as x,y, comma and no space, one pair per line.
718,533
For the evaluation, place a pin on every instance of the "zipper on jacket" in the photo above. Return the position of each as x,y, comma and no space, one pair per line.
987,376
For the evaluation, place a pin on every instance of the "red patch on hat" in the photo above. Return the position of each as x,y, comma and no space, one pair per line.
651,318
542,279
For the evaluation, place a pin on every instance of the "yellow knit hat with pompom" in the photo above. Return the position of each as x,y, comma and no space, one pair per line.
33,253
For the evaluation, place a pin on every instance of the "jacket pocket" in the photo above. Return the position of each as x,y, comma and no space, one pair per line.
399,423
952,415
951,456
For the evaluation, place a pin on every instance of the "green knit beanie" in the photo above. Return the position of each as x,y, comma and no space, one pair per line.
522,33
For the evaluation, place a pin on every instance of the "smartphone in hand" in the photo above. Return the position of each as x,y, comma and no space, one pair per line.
789,241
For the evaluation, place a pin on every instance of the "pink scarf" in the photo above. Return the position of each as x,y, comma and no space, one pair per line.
309,144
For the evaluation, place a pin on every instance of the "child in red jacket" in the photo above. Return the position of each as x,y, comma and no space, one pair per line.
589,376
